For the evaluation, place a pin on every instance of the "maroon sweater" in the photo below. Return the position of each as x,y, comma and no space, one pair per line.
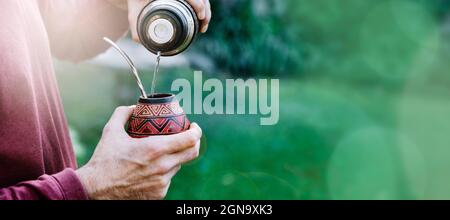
36,156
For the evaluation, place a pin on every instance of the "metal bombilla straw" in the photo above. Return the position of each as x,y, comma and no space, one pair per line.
132,66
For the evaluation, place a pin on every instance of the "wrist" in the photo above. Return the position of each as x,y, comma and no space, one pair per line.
85,176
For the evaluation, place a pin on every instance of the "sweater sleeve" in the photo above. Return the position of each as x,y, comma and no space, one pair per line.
61,186
76,27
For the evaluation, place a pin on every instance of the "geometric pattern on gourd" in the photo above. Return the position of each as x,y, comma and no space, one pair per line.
159,110
156,126
176,108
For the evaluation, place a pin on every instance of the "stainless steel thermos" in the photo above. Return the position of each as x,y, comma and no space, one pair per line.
167,26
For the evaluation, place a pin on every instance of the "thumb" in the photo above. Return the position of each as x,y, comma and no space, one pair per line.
120,116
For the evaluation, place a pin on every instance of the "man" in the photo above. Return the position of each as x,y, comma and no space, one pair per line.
36,156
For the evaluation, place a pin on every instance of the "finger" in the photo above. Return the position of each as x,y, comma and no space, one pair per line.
180,158
168,162
158,146
186,156
167,180
179,142
121,116
205,22
168,176
199,8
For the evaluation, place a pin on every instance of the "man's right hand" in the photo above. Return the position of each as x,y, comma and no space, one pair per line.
127,168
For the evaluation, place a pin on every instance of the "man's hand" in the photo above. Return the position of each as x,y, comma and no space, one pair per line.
127,168
201,7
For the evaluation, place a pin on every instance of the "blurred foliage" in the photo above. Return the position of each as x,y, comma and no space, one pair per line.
439,7
252,37
370,42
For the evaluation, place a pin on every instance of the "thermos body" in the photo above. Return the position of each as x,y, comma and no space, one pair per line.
167,26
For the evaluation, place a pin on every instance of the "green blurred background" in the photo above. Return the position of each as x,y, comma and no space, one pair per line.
364,100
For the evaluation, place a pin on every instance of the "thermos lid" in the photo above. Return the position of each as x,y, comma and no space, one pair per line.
161,31
167,26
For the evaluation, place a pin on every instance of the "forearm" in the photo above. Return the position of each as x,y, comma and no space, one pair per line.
122,4
62,186
76,27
